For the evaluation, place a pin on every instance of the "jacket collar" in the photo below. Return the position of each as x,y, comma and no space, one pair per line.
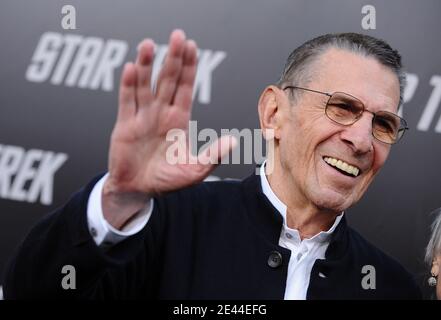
269,222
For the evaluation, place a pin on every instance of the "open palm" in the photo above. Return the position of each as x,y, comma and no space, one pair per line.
138,149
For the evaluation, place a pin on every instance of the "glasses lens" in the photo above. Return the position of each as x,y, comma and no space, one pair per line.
388,127
343,108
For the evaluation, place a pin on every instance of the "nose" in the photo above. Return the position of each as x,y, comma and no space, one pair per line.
359,135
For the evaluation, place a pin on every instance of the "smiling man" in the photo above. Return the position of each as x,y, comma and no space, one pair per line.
151,229
336,135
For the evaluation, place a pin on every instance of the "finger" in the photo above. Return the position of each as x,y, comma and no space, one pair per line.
184,90
171,70
127,91
212,156
144,62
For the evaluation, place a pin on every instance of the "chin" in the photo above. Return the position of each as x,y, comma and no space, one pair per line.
333,202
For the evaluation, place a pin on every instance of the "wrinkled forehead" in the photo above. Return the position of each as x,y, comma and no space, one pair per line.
365,78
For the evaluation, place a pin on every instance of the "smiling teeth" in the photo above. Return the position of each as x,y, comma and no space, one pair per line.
342,166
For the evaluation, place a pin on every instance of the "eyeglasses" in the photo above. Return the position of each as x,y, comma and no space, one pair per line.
344,109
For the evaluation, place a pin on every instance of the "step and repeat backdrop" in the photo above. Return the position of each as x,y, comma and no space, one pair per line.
60,63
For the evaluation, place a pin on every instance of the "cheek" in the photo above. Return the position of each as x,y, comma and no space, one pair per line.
302,134
293,150
381,153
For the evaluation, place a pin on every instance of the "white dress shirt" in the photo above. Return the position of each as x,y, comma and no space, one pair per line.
104,234
303,252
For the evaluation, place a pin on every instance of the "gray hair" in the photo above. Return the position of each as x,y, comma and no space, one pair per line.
434,246
298,70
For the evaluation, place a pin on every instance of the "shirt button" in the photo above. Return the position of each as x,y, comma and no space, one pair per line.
275,259
93,232
288,235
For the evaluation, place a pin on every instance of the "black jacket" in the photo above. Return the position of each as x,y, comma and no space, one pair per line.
214,240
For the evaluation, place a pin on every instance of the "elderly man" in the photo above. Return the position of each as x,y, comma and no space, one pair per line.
151,229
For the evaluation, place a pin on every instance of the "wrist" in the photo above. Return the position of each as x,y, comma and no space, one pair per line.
119,206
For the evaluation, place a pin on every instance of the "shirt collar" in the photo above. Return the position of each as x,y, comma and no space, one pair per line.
281,208
268,192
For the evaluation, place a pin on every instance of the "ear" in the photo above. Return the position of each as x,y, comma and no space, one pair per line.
269,112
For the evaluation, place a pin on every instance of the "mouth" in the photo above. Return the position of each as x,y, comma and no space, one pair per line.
342,166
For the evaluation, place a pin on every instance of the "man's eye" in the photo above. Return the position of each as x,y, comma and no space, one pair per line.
385,125
344,107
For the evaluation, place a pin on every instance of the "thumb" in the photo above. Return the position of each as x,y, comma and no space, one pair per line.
212,155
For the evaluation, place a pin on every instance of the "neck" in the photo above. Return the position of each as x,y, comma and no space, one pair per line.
301,214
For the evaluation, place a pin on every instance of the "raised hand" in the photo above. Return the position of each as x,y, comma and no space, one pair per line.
138,163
